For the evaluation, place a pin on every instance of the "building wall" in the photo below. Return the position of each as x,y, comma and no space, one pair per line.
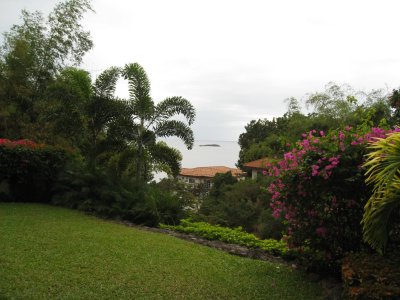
196,180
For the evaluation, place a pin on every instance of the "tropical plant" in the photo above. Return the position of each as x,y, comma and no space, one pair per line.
151,121
384,174
87,115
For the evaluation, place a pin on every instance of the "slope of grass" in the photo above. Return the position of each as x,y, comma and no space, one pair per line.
51,252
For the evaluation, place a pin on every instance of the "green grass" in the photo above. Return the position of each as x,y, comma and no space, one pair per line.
50,252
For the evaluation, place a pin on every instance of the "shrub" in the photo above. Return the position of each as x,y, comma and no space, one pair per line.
28,170
233,236
93,192
99,193
245,204
319,190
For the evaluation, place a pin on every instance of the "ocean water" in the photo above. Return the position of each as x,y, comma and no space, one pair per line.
225,155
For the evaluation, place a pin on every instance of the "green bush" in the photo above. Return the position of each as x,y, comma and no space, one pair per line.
245,203
102,194
93,192
233,236
28,170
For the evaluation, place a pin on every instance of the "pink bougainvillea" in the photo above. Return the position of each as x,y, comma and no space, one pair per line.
20,143
319,189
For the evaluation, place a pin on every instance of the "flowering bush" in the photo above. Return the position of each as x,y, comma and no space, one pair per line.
28,170
20,143
319,190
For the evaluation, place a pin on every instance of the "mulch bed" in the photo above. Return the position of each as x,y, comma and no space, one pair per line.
371,276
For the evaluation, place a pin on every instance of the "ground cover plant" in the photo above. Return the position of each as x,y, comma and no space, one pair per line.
229,235
51,252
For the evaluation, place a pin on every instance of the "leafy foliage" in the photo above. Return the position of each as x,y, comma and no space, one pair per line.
106,196
311,192
244,203
86,115
383,163
229,235
28,170
34,53
335,107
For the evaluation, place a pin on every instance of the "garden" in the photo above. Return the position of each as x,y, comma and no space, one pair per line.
327,202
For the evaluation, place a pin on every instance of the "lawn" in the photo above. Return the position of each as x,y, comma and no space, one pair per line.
51,252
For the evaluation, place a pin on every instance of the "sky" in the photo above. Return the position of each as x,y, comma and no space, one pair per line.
237,60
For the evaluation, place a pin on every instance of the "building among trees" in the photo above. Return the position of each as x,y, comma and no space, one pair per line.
256,166
204,175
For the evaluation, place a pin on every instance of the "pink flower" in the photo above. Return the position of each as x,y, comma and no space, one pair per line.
314,169
341,136
277,213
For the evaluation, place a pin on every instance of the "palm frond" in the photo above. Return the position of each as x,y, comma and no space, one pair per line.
106,82
174,106
164,155
175,128
139,89
383,173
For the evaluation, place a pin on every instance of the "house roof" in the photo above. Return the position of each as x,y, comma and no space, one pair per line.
257,164
209,171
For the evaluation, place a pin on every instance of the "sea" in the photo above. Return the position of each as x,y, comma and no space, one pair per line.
225,154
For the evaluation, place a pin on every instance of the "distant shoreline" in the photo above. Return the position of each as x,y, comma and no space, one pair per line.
210,145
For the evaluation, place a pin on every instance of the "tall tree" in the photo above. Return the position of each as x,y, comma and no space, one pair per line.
156,120
33,53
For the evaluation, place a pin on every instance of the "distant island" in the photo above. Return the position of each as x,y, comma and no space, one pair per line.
210,145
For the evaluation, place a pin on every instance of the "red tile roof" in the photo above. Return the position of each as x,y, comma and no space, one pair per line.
209,171
257,164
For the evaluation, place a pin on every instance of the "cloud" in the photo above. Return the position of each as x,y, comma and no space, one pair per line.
238,60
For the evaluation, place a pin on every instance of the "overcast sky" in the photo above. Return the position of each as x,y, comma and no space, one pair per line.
238,60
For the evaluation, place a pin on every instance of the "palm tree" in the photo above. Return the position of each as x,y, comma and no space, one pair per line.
88,115
384,173
151,121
